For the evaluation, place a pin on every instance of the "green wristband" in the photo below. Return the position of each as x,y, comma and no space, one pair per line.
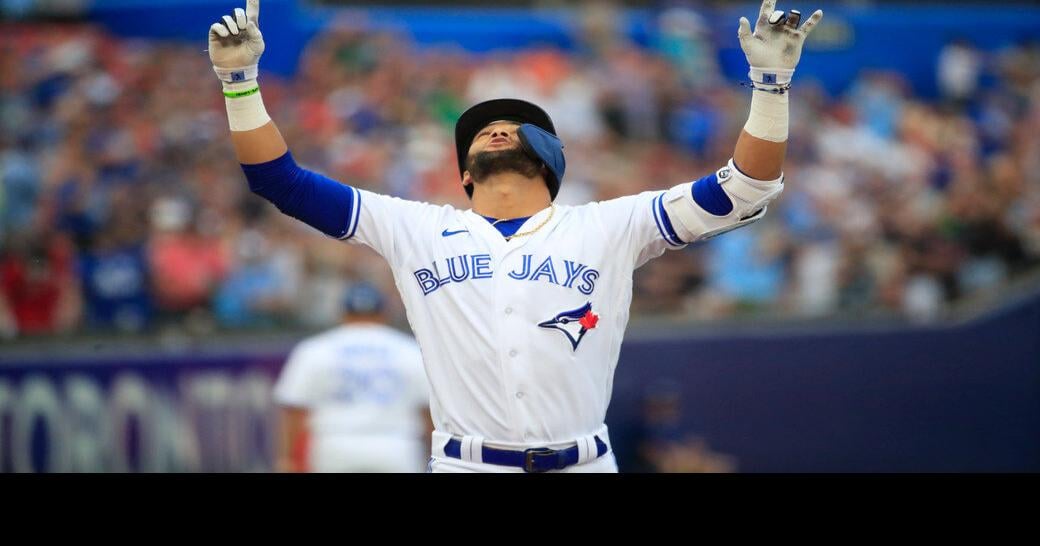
240,94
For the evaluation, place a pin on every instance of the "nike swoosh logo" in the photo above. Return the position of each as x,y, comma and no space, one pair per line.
447,233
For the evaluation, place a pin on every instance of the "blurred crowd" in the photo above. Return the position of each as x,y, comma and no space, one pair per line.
122,208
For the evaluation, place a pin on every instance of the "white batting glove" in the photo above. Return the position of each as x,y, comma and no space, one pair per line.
774,48
235,44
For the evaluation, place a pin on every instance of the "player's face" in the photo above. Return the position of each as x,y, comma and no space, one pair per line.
496,136
496,149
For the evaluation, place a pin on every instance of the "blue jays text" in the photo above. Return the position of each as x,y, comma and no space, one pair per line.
478,266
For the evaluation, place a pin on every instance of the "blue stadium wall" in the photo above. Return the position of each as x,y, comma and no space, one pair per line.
963,398
900,37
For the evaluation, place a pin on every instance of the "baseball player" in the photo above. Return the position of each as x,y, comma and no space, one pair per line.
354,398
519,305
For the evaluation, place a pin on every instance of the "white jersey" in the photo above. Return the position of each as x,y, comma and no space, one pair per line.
365,387
520,338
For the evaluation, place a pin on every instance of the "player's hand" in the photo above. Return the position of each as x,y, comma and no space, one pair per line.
235,44
774,48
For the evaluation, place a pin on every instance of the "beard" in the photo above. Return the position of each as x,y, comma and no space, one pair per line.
482,165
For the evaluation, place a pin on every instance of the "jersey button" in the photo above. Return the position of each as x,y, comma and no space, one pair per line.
519,395
509,310
512,352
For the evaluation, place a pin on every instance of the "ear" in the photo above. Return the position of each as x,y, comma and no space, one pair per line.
466,179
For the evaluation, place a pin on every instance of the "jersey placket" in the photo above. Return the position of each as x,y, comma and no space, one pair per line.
512,323
489,240
512,331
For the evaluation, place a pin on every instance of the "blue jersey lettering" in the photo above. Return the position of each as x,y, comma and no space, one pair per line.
526,271
545,270
589,285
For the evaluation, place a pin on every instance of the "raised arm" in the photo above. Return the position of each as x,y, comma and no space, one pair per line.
740,192
235,46
772,51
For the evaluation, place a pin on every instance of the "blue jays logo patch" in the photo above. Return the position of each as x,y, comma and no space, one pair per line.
574,323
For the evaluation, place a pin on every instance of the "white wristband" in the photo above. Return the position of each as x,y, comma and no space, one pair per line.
245,106
768,117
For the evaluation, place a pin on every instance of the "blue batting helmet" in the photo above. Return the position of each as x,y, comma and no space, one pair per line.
537,135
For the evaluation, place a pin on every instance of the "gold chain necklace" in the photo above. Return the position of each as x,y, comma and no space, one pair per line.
552,209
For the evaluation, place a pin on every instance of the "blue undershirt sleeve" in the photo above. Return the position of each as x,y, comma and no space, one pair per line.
317,200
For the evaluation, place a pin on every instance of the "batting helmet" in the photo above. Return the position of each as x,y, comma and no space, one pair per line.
537,135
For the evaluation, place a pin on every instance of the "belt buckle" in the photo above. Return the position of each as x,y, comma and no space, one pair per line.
530,454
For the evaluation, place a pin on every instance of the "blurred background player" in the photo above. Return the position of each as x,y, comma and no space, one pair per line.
354,398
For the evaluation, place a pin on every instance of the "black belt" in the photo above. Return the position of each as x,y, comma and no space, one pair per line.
537,459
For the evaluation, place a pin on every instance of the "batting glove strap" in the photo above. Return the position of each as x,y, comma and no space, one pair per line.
770,77
235,75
